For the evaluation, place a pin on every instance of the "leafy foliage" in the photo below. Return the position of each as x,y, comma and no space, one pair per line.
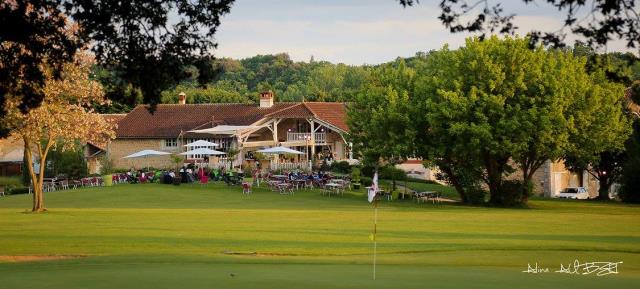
630,189
144,41
62,120
605,20
70,163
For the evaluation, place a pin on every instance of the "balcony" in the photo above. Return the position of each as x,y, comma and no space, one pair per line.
320,137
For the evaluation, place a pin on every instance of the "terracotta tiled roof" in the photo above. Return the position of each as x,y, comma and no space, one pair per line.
298,110
113,117
168,120
335,113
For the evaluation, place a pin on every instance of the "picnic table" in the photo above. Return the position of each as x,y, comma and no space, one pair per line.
428,195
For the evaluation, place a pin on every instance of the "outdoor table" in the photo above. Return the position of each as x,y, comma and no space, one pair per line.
282,187
299,183
334,187
428,195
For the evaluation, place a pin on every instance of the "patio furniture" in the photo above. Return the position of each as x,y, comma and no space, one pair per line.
334,188
427,196
204,179
1,190
64,184
246,188
285,188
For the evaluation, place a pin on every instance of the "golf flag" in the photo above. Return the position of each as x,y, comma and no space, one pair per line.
374,188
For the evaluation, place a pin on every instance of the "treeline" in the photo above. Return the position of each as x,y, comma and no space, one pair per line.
240,81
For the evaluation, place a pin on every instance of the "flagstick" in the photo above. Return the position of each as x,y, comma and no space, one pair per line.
375,241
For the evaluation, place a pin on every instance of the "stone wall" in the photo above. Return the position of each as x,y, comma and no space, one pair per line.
120,148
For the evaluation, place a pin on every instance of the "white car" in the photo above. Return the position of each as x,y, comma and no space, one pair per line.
578,193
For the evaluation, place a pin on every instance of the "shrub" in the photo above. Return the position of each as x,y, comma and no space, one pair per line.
341,167
106,165
355,174
18,191
366,181
385,172
69,163
476,196
511,194
10,181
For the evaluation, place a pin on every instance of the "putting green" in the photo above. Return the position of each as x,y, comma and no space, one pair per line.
161,236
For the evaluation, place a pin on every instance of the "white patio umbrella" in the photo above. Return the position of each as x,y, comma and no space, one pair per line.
145,154
202,143
279,151
203,151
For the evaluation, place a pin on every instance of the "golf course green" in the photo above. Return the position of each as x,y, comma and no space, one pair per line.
193,236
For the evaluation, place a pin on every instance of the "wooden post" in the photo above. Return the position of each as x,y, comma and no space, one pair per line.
313,138
275,132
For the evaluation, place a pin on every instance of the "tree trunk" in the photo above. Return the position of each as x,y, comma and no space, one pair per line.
453,180
494,168
527,175
36,180
603,190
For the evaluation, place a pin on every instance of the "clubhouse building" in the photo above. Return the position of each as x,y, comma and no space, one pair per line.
316,128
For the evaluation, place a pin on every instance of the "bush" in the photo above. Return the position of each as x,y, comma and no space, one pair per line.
10,181
511,194
341,167
366,181
106,165
386,172
476,196
70,163
18,191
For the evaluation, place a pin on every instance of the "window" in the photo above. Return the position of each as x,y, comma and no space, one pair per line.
170,143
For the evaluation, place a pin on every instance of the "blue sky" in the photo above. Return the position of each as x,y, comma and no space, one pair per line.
353,32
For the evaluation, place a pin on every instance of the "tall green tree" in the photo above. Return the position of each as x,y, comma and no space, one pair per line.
501,106
380,127
146,41
630,182
599,132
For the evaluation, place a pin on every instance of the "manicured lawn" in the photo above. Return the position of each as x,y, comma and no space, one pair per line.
161,236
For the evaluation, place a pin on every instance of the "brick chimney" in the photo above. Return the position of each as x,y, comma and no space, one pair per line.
182,98
266,99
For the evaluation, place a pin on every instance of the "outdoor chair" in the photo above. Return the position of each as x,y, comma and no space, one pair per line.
308,184
85,182
48,187
286,189
1,190
64,184
204,179
246,188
